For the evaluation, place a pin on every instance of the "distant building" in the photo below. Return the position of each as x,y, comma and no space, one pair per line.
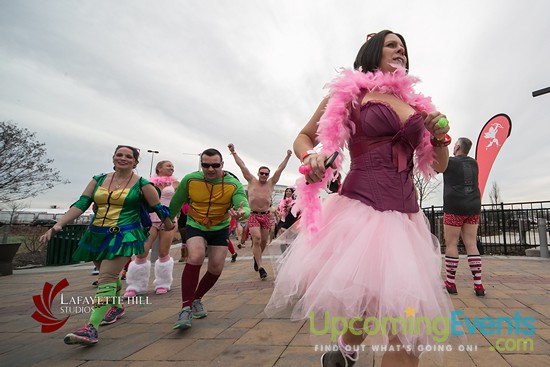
28,215
278,194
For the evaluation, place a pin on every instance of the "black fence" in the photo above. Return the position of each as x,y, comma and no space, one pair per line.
504,229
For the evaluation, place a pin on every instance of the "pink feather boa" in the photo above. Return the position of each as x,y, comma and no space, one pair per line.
162,180
335,129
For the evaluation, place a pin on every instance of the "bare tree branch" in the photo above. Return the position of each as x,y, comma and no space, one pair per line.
494,195
424,188
24,167
13,208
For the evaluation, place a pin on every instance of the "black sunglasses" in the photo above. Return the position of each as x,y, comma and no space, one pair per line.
263,173
213,165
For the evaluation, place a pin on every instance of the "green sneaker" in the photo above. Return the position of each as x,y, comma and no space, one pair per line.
198,310
184,319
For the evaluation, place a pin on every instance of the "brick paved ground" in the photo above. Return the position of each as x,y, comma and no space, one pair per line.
236,331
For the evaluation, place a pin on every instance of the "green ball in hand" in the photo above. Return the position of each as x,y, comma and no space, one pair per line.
442,122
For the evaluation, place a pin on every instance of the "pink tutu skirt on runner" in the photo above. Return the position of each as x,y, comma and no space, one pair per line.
363,263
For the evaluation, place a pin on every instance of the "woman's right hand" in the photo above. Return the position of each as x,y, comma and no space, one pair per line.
168,224
317,164
45,238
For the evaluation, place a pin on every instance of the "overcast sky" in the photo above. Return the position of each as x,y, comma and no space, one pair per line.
183,76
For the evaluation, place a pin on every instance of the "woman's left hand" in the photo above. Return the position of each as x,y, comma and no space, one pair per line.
45,238
430,122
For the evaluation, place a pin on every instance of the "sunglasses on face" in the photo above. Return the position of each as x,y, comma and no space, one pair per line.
213,165
263,173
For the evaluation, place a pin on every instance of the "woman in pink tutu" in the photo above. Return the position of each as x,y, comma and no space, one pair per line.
367,252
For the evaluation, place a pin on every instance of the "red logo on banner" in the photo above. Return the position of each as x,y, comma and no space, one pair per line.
44,307
490,140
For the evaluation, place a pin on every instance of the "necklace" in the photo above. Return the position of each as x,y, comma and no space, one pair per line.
118,185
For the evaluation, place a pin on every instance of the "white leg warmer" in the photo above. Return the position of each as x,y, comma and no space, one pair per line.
137,277
163,274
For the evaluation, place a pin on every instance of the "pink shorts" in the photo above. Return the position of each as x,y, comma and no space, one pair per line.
459,220
262,220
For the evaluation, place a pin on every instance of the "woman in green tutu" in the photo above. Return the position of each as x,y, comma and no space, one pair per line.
116,233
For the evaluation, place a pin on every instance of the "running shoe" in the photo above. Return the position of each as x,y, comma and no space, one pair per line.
84,336
198,310
112,315
185,318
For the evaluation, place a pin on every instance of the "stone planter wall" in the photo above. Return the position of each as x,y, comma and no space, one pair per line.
7,253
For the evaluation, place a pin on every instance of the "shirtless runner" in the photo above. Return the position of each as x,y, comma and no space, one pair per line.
260,190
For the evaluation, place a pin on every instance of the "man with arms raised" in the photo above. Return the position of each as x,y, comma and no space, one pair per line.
259,197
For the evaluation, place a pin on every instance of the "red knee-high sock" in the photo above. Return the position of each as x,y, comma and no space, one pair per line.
475,266
230,247
207,282
451,263
189,281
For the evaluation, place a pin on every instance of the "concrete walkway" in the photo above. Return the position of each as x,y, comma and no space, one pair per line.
236,331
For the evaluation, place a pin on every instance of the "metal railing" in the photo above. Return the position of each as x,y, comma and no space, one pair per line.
504,229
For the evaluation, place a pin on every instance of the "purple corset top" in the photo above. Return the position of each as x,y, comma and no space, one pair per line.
381,150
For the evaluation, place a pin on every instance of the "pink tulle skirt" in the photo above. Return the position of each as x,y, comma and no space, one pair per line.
362,263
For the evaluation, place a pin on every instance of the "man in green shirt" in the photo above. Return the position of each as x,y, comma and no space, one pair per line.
214,196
